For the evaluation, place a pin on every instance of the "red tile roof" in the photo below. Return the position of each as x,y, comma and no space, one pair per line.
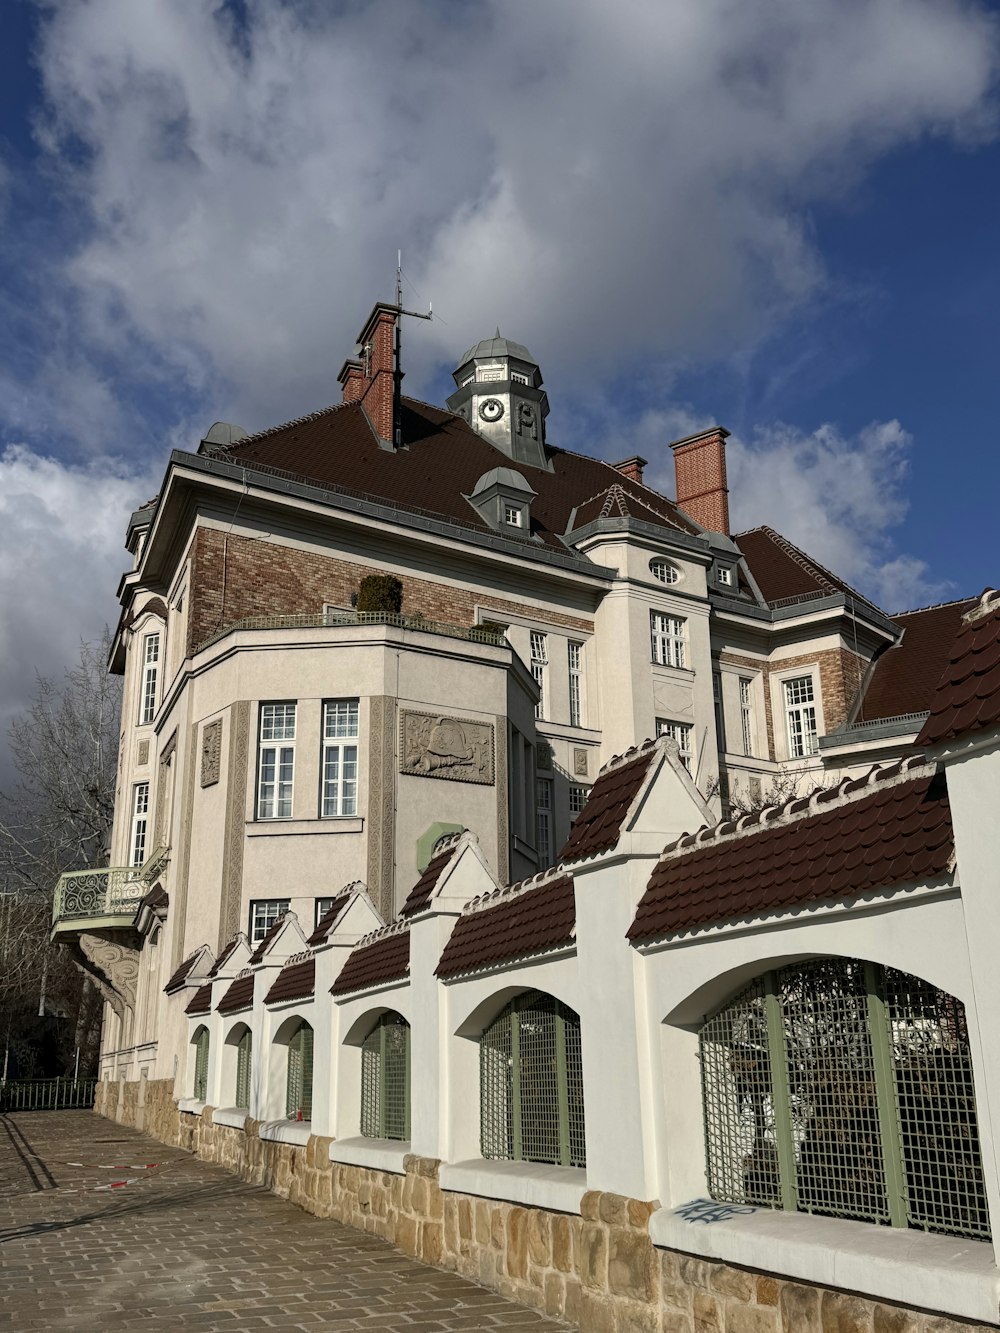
968,694
904,678
513,923
617,502
598,826
375,961
782,570
891,827
295,982
265,943
420,895
326,922
444,459
238,996
224,957
201,1001
180,976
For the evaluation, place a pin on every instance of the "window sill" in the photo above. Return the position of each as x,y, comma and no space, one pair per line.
378,1154
557,1187
231,1116
191,1105
297,1132
957,1277
263,828
673,672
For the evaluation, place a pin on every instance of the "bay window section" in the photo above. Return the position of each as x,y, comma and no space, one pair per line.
276,761
340,757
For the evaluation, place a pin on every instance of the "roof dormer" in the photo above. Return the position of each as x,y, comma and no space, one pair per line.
503,498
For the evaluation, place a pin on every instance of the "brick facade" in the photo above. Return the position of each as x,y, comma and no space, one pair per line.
700,472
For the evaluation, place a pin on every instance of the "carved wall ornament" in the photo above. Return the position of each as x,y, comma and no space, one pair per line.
434,746
211,752
142,753
580,761
115,967
527,423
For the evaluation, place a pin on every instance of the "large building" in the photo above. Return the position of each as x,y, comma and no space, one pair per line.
310,791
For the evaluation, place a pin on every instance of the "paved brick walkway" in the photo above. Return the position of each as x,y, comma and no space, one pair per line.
184,1245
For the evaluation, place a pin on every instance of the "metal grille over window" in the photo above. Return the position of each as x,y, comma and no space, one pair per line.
531,1083
800,712
277,761
539,661
666,639
244,1056
201,1064
340,757
298,1086
385,1079
845,1088
150,667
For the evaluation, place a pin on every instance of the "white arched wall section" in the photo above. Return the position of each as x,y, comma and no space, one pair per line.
229,1037
279,1027
196,1023
356,1018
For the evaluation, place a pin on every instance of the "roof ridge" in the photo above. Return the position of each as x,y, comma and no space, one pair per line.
987,603
282,425
494,897
932,606
398,927
627,756
804,559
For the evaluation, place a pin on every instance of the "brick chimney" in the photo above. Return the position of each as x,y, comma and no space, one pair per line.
376,382
700,470
352,377
631,467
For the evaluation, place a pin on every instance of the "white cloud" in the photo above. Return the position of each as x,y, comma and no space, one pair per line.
62,531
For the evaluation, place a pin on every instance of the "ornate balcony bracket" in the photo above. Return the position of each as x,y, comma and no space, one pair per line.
113,965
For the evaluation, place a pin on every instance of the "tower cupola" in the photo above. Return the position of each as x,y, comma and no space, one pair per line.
500,395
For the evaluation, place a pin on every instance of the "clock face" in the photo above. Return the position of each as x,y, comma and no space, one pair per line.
491,409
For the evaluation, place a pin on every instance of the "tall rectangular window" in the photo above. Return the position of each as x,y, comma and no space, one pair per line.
720,712
575,660
800,716
577,800
543,801
264,912
140,819
746,713
683,734
667,639
150,667
340,757
276,763
539,661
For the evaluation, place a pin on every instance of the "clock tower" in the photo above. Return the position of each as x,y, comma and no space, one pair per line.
500,395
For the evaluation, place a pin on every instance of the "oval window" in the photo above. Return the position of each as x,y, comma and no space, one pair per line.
664,571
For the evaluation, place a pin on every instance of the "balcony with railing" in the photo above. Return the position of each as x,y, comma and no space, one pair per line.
106,898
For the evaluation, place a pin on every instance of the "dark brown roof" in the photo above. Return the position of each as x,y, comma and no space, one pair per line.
326,921
598,826
904,677
265,943
224,957
445,458
201,1001
617,502
386,958
527,920
238,996
782,570
180,976
891,832
968,694
156,898
294,982
420,894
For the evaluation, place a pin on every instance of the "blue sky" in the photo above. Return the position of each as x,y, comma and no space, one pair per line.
775,216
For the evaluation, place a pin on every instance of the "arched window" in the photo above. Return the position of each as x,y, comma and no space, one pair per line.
385,1079
201,1064
664,571
244,1058
298,1083
531,1083
845,1088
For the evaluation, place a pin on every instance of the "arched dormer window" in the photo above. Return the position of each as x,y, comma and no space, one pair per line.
298,1081
531,1083
200,1043
845,1088
385,1079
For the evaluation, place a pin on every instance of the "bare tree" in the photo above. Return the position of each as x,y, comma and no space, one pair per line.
784,785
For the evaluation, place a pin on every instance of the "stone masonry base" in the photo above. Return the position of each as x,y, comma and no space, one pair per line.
599,1270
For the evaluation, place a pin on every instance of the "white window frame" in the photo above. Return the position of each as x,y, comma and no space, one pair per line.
724,576
264,912
574,666
664,572
801,738
539,667
578,797
543,821
745,687
339,760
322,906
513,515
683,734
667,635
139,827
276,760
150,674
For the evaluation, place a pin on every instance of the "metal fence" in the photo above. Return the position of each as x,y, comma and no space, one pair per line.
111,891
845,1088
48,1094
336,619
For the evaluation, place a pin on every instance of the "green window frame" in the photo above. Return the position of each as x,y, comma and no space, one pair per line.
385,1079
244,1064
201,1040
531,1083
298,1082
845,1088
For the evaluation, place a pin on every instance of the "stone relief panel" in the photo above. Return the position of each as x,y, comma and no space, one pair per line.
142,753
432,746
211,752
580,757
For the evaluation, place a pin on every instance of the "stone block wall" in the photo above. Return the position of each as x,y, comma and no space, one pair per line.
599,1270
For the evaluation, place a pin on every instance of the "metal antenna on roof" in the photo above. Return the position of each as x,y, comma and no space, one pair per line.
397,377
